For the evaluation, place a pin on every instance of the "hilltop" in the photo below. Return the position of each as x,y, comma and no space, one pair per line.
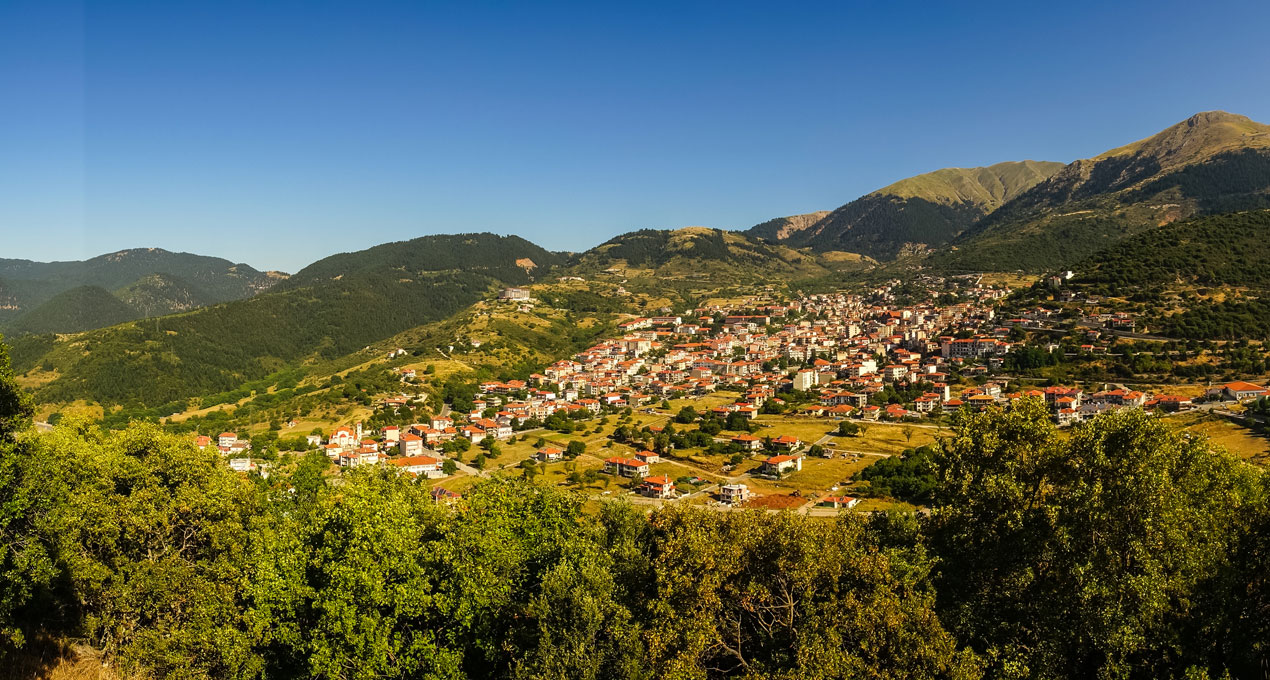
920,212
78,309
784,228
327,310
1202,278
1230,249
696,252
142,281
705,255
1209,163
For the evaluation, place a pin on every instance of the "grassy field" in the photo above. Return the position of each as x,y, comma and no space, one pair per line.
818,476
1236,438
876,438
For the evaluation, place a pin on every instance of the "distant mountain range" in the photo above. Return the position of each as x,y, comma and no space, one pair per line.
1035,216
237,324
67,297
911,215
1210,163
329,309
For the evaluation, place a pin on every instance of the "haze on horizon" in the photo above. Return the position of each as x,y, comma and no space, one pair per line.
279,134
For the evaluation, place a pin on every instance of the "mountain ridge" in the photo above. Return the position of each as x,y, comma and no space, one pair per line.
26,285
923,211
1209,163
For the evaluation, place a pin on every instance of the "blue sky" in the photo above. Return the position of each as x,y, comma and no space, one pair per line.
276,133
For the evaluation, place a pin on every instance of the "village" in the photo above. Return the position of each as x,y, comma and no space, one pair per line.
760,391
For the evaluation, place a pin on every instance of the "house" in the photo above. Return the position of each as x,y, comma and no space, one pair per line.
493,428
658,487
549,454
778,465
472,433
445,496
805,380
514,294
1169,403
981,402
202,442
625,467
343,436
441,423
748,442
423,466
649,457
787,443
226,440
1240,390
410,445
734,494
895,412
838,502
390,434
358,458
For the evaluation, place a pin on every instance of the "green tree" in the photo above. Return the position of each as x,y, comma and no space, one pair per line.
30,491
308,479
1115,528
756,595
15,405
154,542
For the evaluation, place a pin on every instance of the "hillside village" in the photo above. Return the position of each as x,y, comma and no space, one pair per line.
845,359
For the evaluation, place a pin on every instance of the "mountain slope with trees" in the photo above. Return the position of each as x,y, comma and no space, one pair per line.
701,253
157,554
1212,162
328,310
151,281
71,311
924,211
1229,249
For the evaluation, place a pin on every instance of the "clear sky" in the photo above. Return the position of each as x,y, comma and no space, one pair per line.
275,133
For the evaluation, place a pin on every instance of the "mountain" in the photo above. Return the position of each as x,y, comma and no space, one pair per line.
159,294
916,213
78,309
510,259
1230,249
1212,162
698,253
190,280
784,228
329,309
1204,278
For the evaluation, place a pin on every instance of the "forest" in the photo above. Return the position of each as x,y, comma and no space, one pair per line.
1231,249
1117,550
331,308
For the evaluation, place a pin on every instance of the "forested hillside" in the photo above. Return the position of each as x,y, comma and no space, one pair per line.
174,566
149,281
1229,249
928,210
783,228
510,259
328,310
1212,162
78,309
700,253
